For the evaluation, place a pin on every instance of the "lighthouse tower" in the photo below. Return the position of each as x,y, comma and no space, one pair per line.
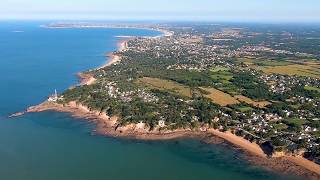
55,94
54,97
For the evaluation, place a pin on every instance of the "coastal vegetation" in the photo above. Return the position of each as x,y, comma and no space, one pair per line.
250,85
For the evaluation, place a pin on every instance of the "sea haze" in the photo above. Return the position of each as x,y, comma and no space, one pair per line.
34,61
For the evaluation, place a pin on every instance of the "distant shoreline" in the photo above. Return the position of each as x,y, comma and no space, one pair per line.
104,26
108,125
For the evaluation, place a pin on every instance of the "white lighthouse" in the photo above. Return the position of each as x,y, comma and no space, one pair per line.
54,97
55,94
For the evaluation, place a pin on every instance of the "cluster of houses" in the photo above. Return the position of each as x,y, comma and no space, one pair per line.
283,83
114,91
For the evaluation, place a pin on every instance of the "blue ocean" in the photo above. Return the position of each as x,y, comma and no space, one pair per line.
35,61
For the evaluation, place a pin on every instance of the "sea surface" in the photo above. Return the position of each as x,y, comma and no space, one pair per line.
55,146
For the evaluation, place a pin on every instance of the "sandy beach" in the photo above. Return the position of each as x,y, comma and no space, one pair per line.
239,141
86,78
114,58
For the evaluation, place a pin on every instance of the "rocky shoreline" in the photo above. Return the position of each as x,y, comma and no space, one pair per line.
108,126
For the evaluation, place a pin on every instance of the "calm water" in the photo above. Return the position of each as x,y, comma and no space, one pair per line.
56,146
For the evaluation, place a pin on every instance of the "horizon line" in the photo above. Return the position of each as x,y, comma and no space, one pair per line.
168,20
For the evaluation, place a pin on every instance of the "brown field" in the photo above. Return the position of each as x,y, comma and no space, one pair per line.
219,97
303,68
309,70
259,104
167,85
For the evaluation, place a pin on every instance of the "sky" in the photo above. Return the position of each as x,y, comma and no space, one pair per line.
187,10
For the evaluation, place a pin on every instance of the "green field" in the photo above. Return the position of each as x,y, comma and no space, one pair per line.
296,106
280,127
221,74
311,88
295,122
272,63
245,108
218,69
263,62
166,85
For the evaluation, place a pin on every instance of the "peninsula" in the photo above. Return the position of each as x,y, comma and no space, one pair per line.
235,82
